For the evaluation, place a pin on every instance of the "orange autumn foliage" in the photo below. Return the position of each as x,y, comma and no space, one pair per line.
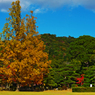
25,50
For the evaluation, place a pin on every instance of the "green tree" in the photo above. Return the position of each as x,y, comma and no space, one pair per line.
89,77
82,49
70,72
53,79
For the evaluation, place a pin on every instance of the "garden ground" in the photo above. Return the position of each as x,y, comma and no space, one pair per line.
48,92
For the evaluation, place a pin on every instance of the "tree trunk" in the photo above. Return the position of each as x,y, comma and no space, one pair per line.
94,83
17,89
51,87
9,86
6,86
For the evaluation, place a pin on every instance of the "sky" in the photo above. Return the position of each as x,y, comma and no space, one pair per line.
60,17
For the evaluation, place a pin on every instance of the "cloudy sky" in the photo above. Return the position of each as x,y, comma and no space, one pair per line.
61,17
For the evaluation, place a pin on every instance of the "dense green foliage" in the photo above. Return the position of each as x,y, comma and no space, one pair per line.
69,57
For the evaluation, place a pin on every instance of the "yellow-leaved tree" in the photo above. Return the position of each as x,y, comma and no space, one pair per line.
24,61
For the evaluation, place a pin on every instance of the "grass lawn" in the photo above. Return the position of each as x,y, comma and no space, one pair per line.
49,92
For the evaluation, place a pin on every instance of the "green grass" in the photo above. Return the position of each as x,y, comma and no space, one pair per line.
50,92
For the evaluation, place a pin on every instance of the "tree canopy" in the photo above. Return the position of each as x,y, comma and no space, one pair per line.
82,49
25,50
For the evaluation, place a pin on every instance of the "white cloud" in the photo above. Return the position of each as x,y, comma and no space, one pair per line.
89,4
44,4
40,10
6,4
37,11
3,10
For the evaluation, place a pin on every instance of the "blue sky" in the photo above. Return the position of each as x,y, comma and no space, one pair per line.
61,17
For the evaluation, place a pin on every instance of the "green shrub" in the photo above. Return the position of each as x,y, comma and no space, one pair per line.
59,88
73,85
47,88
86,84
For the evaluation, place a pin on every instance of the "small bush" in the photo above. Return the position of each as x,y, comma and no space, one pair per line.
59,88
86,84
47,88
73,85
